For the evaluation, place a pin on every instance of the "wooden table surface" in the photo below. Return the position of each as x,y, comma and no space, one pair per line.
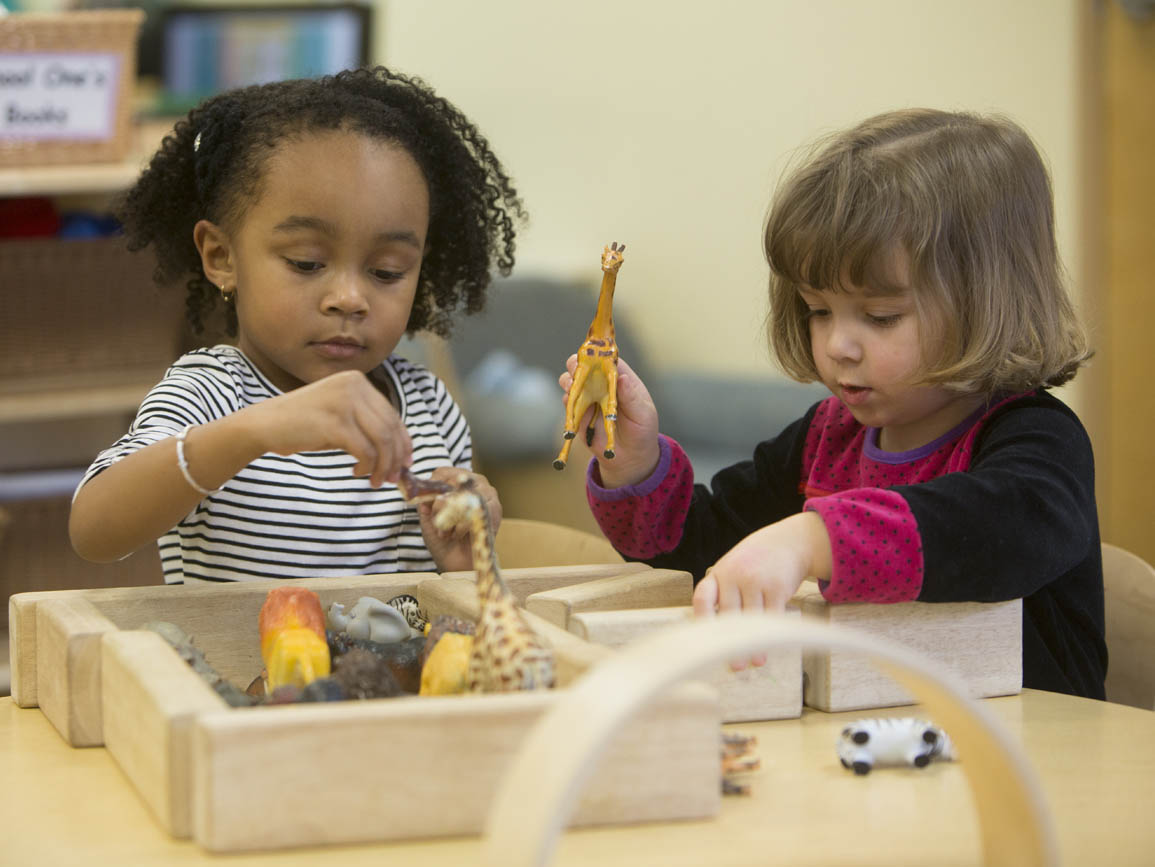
1096,762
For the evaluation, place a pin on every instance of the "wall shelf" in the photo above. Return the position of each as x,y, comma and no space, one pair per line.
55,403
87,179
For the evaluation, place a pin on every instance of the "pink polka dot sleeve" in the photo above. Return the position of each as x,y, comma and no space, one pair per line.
646,519
875,546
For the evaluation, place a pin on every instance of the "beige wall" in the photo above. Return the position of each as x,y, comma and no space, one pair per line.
666,124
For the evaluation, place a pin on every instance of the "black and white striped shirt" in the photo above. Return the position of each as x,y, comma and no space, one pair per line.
302,515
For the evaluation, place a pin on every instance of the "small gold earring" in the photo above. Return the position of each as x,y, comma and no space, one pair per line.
226,295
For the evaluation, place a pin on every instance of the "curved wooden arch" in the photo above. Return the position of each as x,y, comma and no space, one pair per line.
530,810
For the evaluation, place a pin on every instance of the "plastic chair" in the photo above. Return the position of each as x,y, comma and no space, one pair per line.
1129,586
524,542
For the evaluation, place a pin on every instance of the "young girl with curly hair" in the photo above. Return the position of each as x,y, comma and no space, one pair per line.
914,273
330,217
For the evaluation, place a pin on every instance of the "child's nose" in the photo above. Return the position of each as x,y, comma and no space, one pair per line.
842,343
345,297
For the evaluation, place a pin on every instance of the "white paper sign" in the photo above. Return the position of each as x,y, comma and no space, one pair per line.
58,96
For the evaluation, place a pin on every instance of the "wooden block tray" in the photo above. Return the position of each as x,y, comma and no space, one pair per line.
300,775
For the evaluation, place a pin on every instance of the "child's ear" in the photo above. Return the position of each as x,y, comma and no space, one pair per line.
216,254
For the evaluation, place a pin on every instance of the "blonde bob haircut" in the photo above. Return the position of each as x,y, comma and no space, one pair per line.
967,199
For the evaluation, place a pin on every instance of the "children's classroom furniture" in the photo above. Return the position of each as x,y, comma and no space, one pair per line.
1129,582
526,542
1095,761
536,799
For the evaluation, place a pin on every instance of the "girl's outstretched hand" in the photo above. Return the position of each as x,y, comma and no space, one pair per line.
764,570
343,411
636,448
452,550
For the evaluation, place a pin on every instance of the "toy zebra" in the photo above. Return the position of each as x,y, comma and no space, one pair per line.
892,741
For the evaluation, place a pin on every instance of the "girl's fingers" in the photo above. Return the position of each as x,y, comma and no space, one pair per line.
391,439
752,600
729,597
706,596
751,596
357,444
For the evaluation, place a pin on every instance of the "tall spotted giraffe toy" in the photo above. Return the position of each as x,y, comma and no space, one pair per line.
595,381
507,654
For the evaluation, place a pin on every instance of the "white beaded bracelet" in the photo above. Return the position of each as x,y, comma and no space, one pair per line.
183,464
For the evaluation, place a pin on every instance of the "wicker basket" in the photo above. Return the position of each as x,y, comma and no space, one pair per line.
89,32
81,310
35,554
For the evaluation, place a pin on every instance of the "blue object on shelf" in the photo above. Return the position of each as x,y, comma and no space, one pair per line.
79,225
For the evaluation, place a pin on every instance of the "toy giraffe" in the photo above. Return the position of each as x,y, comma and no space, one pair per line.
595,380
507,654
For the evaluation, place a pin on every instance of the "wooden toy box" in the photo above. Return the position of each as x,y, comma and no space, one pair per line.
299,775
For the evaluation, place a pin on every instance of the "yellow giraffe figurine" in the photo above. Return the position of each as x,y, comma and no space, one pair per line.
595,381
507,654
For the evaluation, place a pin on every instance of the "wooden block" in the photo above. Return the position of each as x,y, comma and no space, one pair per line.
222,618
654,588
421,767
68,632
22,637
150,697
980,642
524,582
455,597
22,644
772,691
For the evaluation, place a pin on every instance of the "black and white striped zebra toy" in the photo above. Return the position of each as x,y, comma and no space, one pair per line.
892,741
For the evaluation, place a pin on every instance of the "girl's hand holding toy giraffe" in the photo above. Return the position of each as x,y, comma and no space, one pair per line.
914,273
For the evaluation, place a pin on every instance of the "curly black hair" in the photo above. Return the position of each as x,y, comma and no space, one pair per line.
212,164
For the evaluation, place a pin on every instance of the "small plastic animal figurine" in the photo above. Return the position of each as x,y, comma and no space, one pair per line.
892,741
445,657
507,655
595,381
362,674
370,619
293,645
182,643
738,759
410,608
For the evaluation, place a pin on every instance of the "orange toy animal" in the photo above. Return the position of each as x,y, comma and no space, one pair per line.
595,381
293,642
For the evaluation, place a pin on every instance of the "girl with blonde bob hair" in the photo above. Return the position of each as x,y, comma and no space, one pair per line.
914,273
968,200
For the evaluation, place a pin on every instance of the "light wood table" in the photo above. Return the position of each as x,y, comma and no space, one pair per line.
1096,762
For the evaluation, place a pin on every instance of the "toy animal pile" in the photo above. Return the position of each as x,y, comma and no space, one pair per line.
381,649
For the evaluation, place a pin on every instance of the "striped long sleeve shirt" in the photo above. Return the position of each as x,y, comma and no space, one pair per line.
294,516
